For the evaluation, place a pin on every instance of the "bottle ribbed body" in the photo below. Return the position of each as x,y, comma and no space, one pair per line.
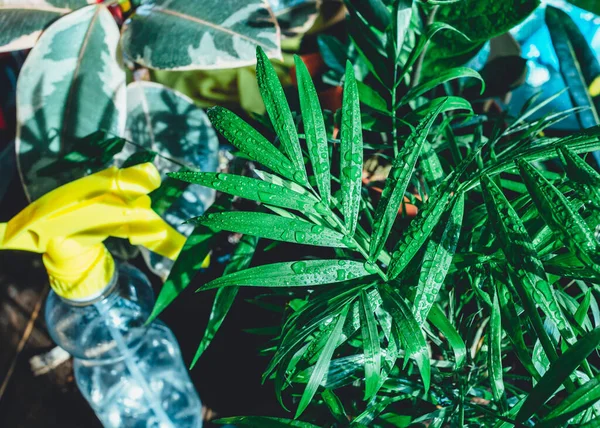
131,374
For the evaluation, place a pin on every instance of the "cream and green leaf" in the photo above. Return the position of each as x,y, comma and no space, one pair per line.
22,21
212,34
71,86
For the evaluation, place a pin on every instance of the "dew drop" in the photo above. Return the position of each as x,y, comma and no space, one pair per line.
299,267
370,267
300,237
298,176
348,242
341,274
317,229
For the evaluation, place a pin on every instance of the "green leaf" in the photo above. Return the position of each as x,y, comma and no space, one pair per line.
445,76
251,142
272,227
520,252
561,216
374,12
512,323
190,260
70,86
263,422
351,152
169,191
137,158
22,22
447,103
581,313
184,35
441,322
371,98
293,274
409,331
495,351
396,184
430,164
335,406
279,111
575,403
92,152
322,364
437,261
250,188
428,217
401,25
240,260
580,172
371,346
417,233
558,372
333,52
574,55
589,5
314,130
479,21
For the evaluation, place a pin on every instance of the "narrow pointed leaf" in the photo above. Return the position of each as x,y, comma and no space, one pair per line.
251,142
335,406
428,217
581,313
581,173
495,351
314,130
561,216
401,25
293,274
189,261
436,262
396,184
520,252
570,65
371,346
250,188
322,364
240,260
263,422
272,227
409,331
279,111
445,76
351,152
583,398
558,372
431,167
443,324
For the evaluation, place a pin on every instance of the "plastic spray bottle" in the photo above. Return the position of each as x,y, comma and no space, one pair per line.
132,374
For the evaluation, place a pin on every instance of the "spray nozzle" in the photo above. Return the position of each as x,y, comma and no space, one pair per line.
69,224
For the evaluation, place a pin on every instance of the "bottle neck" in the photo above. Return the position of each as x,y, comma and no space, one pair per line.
99,296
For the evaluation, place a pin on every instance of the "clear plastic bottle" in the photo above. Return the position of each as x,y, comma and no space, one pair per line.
131,374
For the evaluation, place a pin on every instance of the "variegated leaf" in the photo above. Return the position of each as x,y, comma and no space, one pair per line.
211,34
71,86
295,17
22,21
168,123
